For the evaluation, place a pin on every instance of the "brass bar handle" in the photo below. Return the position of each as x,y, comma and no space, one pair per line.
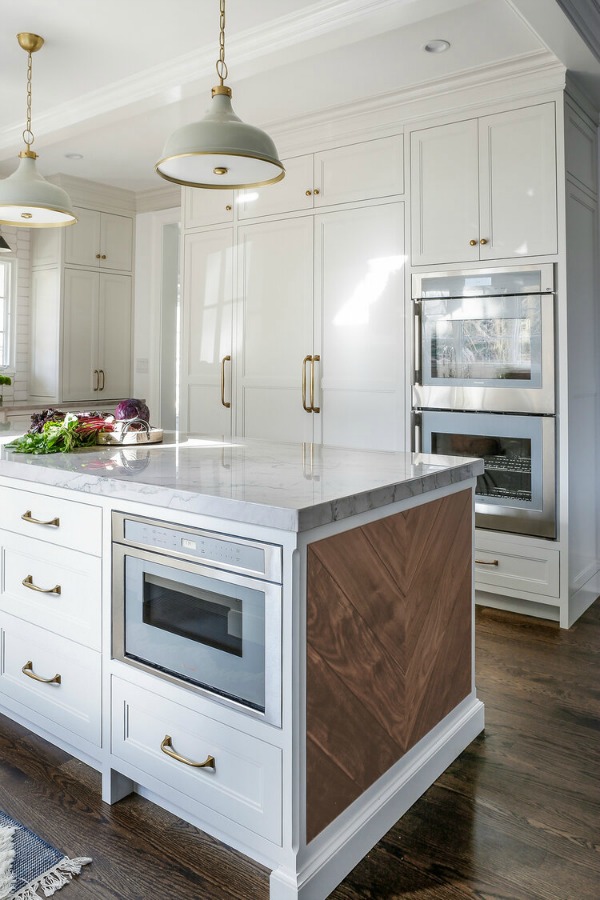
167,747
96,379
315,409
27,517
307,408
487,562
28,583
224,403
28,670
101,372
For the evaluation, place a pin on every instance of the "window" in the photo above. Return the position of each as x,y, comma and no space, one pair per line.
6,312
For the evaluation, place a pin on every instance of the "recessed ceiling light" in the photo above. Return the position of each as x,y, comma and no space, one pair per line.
73,155
436,46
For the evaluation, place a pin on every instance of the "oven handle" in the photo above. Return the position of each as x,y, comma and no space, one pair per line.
417,324
167,747
417,439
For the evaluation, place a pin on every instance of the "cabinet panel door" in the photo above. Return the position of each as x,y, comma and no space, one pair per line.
205,207
116,242
360,274
80,334
276,285
207,332
294,193
45,333
114,336
444,194
360,172
518,183
82,240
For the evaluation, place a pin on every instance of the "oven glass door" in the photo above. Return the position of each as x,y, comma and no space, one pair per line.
516,492
212,629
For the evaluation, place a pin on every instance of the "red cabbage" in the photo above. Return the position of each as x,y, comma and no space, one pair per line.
132,409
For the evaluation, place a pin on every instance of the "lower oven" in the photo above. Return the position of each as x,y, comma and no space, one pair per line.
201,609
517,491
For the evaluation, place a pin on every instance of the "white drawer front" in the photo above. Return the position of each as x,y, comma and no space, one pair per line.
54,588
75,703
63,522
245,783
516,566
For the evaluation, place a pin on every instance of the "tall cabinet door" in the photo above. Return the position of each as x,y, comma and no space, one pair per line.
517,176
80,335
114,336
276,287
360,290
445,193
206,345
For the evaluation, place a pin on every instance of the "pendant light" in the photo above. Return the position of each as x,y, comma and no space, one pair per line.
220,151
4,247
26,198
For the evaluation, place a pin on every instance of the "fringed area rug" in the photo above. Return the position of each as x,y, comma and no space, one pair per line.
29,865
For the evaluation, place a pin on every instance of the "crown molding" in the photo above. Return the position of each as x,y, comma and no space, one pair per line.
94,195
155,199
530,75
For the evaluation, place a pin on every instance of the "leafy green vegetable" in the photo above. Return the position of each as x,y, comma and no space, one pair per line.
60,436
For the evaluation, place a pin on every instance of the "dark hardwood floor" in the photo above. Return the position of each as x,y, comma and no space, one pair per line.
516,817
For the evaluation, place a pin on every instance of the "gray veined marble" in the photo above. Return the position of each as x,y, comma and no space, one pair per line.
294,487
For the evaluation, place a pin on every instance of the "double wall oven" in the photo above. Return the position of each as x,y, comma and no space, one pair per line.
484,386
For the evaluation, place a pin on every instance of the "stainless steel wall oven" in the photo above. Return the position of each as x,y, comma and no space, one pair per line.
201,609
484,386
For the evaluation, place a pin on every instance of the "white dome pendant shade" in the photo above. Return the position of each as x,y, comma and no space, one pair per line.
220,151
26,198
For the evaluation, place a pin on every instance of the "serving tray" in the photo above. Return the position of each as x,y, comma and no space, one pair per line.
125,434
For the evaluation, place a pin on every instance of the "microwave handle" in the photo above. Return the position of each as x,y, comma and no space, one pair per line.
417,335
416,433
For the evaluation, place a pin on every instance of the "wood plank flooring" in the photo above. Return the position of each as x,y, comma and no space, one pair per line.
516,817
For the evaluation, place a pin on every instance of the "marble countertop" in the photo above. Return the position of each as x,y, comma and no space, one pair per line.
293,487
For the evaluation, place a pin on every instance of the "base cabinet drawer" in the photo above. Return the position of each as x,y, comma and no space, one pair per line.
52,587
63,522
52,676
243,783
501,564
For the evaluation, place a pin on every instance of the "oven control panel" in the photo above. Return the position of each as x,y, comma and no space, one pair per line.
221,551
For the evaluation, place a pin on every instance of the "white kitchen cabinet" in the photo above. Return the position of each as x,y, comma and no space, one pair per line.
203,207
363,171
96,335
206,368
322,308
485,189
100,240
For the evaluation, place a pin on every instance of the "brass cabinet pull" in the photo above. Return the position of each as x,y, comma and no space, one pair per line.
27,517
472,243
307,408
315,409
226,404
167,747
97,256
308,193
316,192
28,583
96,379
483,241
228,208
103,256
487,562
28,670
101,379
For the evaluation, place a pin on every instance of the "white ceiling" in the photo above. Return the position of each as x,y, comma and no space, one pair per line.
115,77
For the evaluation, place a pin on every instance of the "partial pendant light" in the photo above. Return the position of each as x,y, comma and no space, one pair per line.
26,198
220,151
4,247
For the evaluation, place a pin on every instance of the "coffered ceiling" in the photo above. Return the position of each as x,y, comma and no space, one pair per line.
114,78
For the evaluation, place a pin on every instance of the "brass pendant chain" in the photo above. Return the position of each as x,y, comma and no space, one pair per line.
221,65
28,133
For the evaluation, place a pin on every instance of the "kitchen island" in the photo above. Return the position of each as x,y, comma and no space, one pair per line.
367,666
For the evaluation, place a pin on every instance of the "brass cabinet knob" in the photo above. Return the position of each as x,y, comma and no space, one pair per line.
316,191
472,243
308,193
98,256
103,256
228,208
483,241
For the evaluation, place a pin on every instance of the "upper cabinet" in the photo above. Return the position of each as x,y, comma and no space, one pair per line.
485,189
205,207
362,171
100,240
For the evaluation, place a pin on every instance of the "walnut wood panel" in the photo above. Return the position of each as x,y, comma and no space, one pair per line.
389,609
